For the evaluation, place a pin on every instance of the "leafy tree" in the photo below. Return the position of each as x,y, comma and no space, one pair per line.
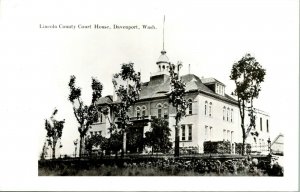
159,136
177,100
54,131
247,74
85,115
44,151
94,141
113,143
127,94
135,140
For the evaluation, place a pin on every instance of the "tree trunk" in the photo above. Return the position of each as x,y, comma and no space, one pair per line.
244,144
53,148
53,152
81,146
124,145
243,127
176,150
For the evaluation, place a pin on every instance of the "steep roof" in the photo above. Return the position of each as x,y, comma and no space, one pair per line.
210,80
105,100
155,89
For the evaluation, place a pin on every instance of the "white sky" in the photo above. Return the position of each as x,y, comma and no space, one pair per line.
209,35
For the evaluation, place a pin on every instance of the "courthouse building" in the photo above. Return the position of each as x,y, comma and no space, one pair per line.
211,116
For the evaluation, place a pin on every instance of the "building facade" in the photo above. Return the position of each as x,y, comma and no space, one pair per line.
212,115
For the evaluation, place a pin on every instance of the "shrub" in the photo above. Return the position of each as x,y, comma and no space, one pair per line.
220,147
238,148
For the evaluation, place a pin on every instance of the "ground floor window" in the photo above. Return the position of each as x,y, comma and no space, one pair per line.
190,133
183,132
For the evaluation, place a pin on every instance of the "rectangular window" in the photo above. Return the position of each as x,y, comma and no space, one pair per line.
205,109
206,132
227,114
182,132
261,124
231,139
228,135
231,114
210,133
210,110
190,132
267,125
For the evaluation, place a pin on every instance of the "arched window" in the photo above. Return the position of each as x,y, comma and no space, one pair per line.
144,111
210,109
205,108
190,106
166,111
159,111
224,113
231,116
138,111
101,118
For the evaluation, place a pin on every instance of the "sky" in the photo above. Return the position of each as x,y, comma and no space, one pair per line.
209,35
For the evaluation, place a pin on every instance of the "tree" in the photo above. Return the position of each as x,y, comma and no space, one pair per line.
159,136
94,141
85,115
247,74
114,143
44,151
128,94
177,100
54,131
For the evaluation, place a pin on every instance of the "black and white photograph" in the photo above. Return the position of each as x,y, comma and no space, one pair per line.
150,95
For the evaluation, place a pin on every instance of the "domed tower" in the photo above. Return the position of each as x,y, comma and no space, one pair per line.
163,64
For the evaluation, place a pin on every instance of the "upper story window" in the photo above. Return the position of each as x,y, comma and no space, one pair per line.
224,113
144,109
205,108
190,106
166,111
261,124
101,118
159,111
138,111
210,109
267,125
231,115
227,114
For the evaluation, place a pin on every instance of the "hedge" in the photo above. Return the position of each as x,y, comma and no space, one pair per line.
238,148
219,147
